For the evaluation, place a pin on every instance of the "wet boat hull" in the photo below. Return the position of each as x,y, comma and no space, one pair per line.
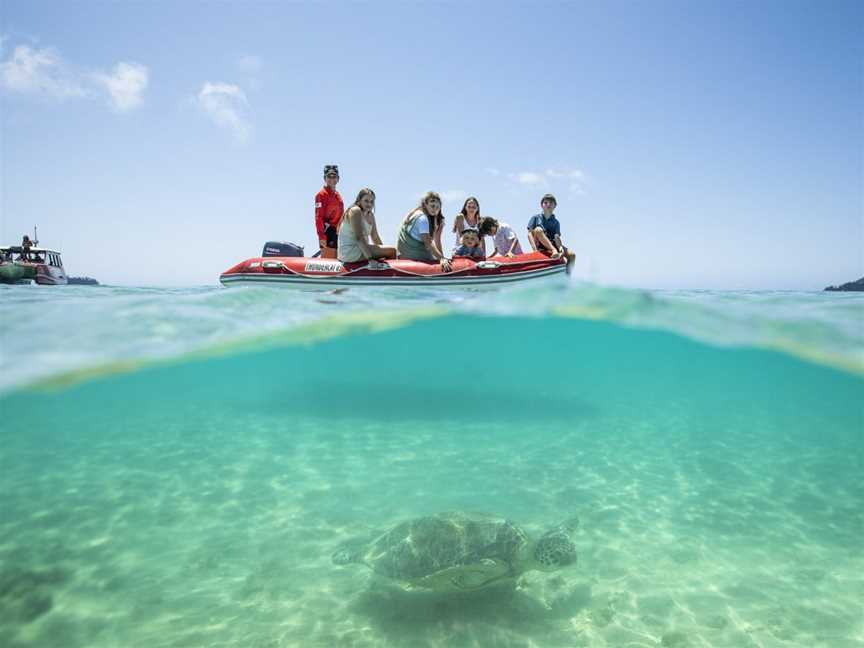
326,273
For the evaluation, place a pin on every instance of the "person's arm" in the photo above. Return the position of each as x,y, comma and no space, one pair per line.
376,238
438,231
435,251
513,243
340,212
456,223
531,225
432,246
319,221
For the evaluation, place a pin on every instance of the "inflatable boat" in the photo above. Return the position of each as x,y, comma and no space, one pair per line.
326,273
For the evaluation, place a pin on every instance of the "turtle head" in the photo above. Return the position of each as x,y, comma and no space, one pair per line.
345,556
569,525
554,550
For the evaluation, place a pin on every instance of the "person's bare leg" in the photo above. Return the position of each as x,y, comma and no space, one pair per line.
382,252
544,244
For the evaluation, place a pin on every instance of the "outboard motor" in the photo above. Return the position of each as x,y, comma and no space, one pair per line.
282,249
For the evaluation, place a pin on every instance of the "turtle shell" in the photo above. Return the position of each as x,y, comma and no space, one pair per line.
424,546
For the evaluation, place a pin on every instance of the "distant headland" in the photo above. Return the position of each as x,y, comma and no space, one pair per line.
83,281
851,286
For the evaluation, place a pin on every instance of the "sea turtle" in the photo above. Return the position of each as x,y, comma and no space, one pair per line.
457,552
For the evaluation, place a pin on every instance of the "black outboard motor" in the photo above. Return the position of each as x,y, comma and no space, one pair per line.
282,249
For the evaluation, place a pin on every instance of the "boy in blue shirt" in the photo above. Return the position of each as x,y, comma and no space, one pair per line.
470,245
544,232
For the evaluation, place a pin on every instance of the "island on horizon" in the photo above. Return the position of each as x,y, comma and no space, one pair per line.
857,285
82,281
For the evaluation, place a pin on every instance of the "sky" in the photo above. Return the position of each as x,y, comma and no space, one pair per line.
694,144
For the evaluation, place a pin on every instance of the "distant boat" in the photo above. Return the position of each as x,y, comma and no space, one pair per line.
23,266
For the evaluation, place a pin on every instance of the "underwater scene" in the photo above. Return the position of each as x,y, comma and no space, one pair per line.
560,464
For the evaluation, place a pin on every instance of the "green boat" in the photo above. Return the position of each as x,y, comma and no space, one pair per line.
33,264
13,272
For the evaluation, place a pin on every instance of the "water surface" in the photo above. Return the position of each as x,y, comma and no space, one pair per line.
178,466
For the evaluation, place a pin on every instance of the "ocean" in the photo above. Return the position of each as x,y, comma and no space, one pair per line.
178,466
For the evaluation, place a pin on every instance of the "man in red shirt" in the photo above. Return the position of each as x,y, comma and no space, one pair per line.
328,212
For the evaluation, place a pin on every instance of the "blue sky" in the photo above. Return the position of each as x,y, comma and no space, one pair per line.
690,144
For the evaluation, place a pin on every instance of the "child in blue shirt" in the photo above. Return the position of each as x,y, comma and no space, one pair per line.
470,245
544,232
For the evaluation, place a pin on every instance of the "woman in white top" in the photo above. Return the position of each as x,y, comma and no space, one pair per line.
358,232
468,217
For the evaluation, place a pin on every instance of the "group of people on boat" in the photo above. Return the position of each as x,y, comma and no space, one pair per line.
24,253
351,235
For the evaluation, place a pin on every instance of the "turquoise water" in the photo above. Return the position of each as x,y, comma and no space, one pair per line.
177,466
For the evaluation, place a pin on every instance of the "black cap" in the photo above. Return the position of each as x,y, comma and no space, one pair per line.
331,168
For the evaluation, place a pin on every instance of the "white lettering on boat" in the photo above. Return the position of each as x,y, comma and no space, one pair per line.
323,266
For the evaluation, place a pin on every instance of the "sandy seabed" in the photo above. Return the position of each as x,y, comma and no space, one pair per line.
177,530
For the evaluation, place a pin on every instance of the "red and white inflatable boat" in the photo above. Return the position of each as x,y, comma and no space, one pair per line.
306,272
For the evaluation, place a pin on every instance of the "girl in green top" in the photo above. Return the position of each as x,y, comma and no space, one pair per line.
420,232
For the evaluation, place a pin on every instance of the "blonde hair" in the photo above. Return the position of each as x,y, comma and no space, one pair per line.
365,191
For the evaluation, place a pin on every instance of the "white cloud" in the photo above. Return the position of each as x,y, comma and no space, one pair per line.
125,85
528,178
39,71
43,72
492,171
226,105
554,177
571,174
